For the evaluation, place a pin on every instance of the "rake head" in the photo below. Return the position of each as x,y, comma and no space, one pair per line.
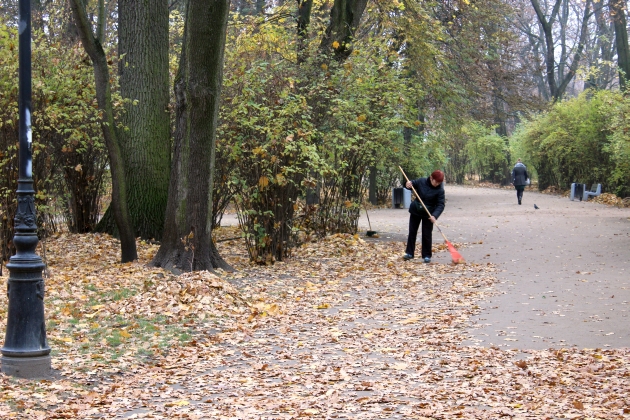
455,255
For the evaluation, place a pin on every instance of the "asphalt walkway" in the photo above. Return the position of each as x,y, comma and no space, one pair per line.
564,268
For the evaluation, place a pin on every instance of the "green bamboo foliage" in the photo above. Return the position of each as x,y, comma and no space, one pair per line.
584,139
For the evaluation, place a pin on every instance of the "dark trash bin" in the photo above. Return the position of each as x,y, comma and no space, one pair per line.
577,191
398,198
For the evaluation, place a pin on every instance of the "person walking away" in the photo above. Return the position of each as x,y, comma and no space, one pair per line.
431,191
519,179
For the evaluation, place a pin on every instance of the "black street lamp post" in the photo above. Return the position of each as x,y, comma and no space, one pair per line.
26,353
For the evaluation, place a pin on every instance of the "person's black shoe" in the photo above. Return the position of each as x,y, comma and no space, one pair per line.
407,257
519,202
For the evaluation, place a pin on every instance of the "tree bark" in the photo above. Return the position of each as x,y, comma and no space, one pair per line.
146,140
345,16
103,96
618,14
187,242
303,22
372,186
260,6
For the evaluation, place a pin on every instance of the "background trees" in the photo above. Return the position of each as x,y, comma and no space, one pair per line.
119,203
333,94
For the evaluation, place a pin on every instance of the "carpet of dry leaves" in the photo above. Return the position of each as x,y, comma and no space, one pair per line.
343,329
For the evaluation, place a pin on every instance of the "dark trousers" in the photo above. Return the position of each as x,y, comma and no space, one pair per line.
427,235
519,191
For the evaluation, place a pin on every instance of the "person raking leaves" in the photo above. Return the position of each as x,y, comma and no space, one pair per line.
431,191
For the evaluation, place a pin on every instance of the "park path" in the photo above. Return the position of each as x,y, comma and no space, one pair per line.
533,326
564,277
346,329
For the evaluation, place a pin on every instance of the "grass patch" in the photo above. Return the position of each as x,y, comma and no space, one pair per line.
123,294
115,339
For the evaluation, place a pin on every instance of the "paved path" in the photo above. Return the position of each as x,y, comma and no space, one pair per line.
565,268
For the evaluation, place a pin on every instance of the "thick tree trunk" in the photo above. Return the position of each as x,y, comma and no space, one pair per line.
103,96
187,242
618,14
145,142
345,16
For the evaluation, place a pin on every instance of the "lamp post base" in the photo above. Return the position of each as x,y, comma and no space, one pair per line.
26,367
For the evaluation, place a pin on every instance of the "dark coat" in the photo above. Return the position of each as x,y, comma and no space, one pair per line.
432,197
519,175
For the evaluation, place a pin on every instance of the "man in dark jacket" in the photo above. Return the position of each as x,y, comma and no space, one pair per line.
519,179
431,191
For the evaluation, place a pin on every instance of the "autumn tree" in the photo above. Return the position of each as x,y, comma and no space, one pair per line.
600,51
345,16
187,242
618,10
558,76
145,140
119,205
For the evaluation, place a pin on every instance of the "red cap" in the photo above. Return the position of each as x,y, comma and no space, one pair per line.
437,175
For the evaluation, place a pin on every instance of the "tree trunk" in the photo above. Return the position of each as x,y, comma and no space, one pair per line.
345,16
604,50
372,187
303,22
618,14
559,82
187,242
547,27
145,141
103,96
260,6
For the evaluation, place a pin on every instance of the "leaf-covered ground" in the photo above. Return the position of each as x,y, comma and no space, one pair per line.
344,329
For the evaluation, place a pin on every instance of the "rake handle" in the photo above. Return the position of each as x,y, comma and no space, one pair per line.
422,202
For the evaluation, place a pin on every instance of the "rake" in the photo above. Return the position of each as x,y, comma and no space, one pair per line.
455,255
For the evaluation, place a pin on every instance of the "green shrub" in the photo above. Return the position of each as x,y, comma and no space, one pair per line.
617,113
69,160
570,142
